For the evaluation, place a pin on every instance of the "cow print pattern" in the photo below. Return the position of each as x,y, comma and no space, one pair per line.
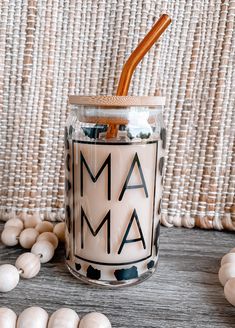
67,185
163,137
66,142
121,274
68,217
126,274
150,265
78,266
161,165
156,238
71,130
93,273
67,162
159,207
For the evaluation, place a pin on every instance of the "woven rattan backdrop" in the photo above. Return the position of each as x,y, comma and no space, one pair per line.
52,48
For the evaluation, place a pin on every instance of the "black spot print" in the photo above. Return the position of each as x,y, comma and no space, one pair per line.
66,132
161,165
71,130
68,162
156,238
163,137
143,135
122,127
93,273
66,142
67,185
129,135
158,229
125,274
68,217
159,207
150,265
78,266
93,132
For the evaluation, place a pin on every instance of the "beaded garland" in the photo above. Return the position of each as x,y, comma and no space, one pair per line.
62,318
227,276
42,238
31,233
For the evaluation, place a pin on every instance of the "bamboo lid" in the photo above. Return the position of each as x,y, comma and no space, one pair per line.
117,101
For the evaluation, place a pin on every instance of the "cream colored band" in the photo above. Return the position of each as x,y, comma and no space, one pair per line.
117,101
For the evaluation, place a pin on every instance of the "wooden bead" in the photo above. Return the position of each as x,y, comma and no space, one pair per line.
226,272
30,221
14,223
29,264
45,249
10,236
7,318
229,291
9,277
232,250
59,231
49,236
64,318
44,226
28,237
33,317
228,258
95,320
22,216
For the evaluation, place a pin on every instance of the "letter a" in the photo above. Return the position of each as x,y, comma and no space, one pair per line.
143,185
124,241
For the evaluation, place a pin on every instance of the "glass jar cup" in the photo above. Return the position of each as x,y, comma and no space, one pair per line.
114,157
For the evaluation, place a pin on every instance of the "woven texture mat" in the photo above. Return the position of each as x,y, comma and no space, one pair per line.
49,49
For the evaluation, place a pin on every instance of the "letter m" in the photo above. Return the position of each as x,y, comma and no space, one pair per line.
83,162
95,232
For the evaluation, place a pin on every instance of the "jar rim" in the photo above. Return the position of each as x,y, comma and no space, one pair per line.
117,101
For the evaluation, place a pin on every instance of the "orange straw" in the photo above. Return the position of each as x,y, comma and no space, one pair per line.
128,69
143,47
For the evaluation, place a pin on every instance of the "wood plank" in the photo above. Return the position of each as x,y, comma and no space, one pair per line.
184,292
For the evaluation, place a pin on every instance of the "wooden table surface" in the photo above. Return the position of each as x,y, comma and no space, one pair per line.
184,292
